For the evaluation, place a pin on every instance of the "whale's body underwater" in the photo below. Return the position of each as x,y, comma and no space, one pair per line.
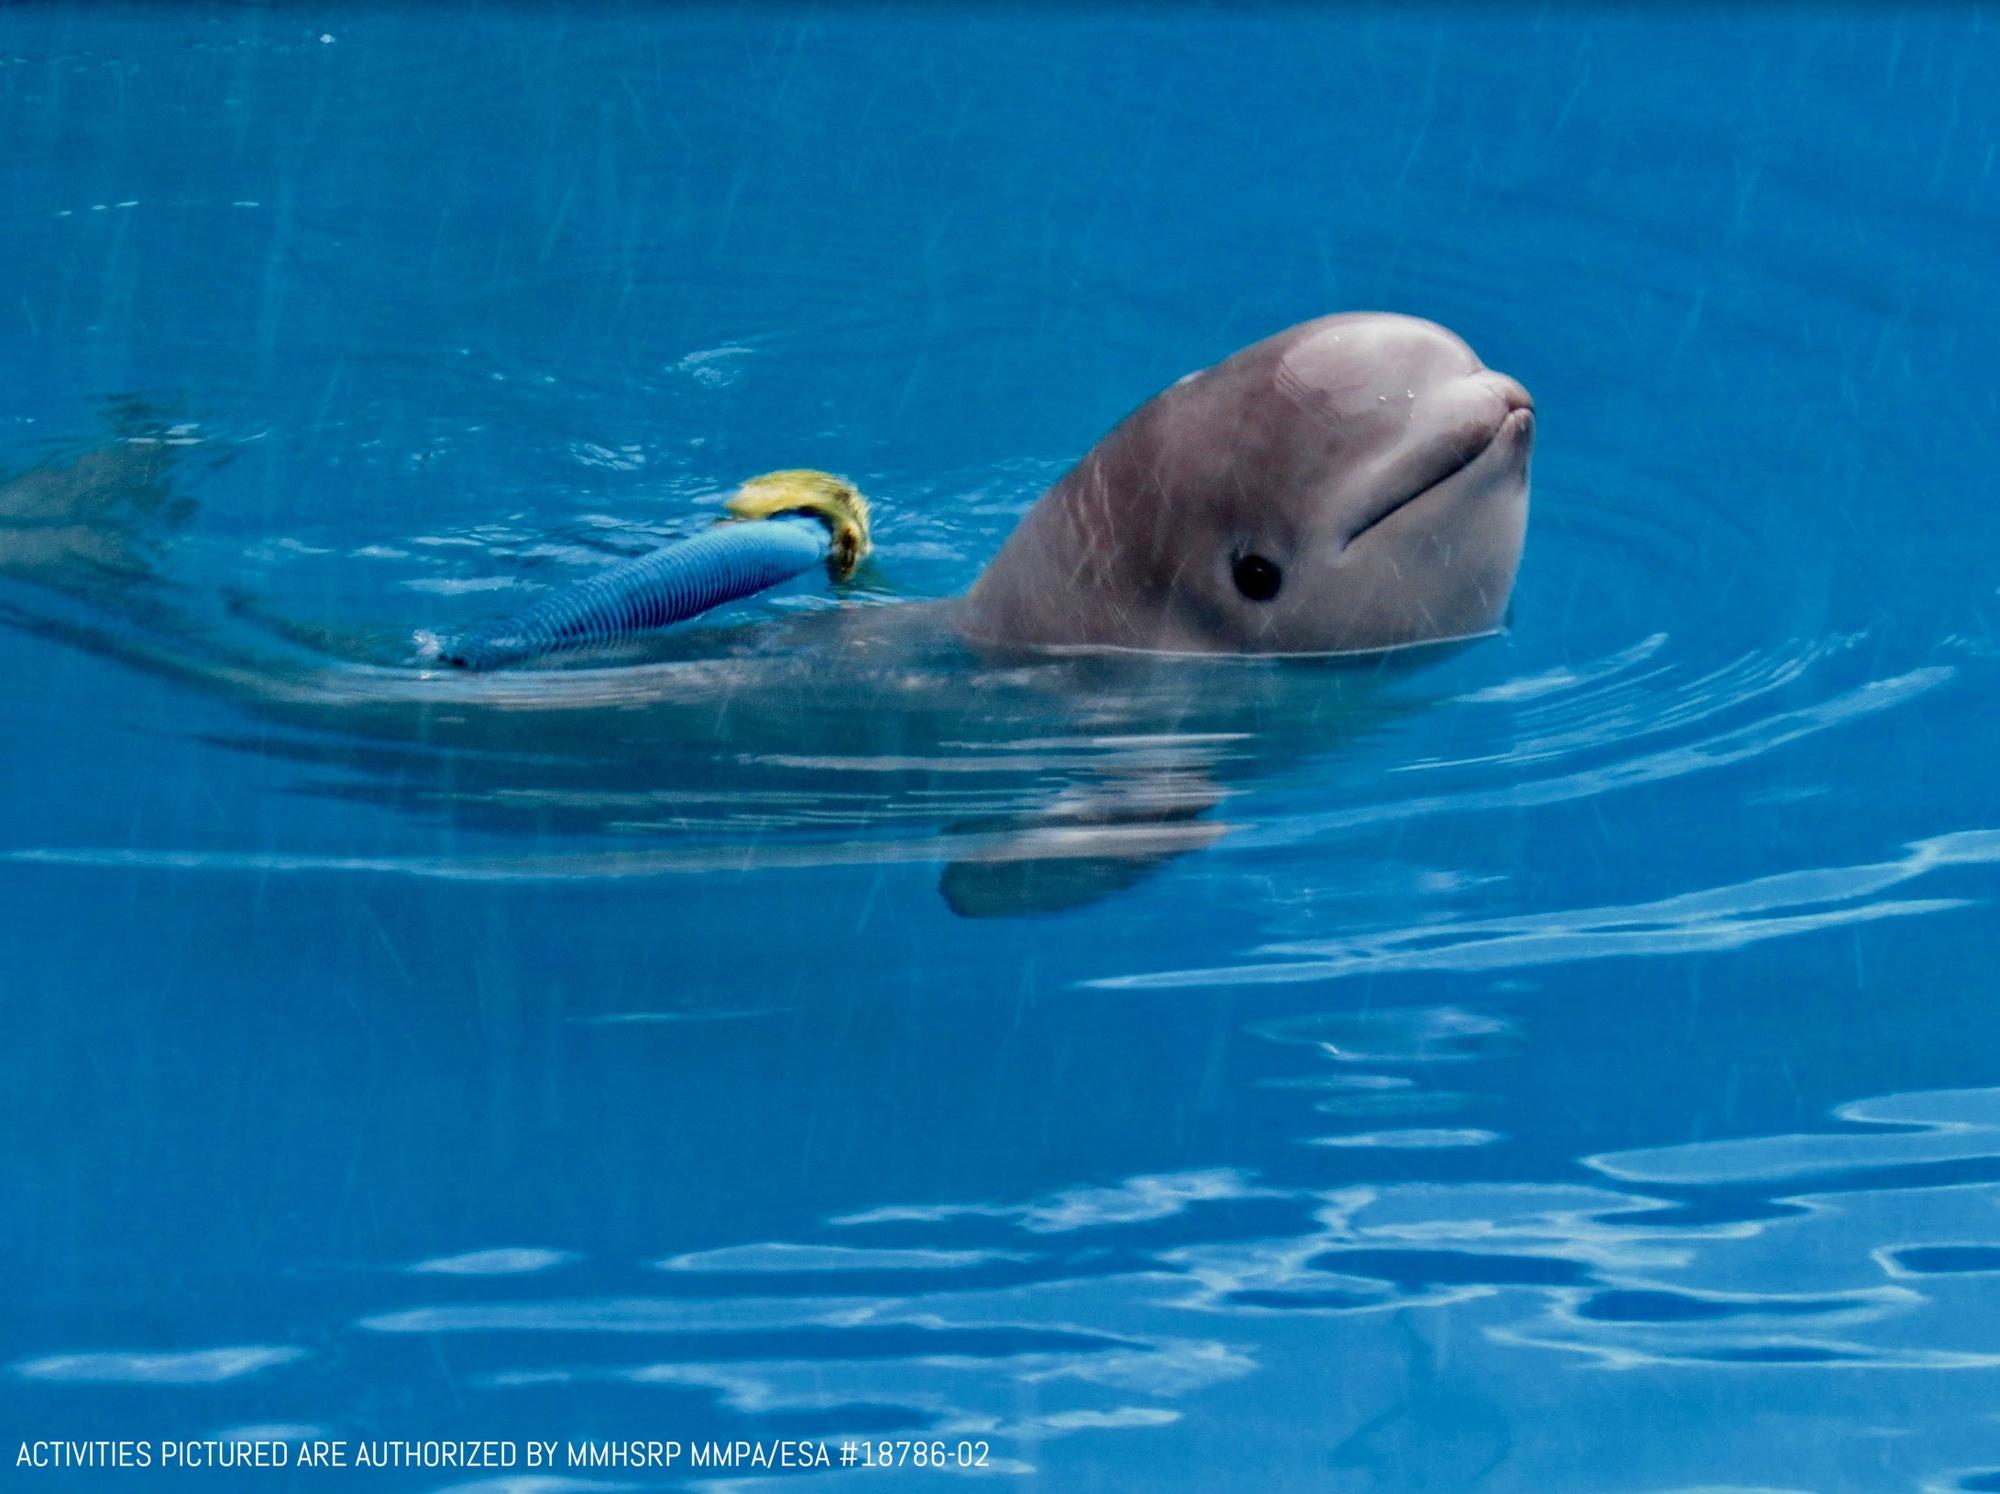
1348,489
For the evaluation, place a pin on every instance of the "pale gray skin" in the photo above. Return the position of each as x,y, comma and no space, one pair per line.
1012,731
1371,457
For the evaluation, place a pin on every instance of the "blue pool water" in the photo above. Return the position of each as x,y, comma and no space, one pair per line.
1574,1066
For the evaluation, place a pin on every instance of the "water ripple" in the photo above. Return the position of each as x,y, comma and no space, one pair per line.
1936,1126
501,1261
190,1367
1713,918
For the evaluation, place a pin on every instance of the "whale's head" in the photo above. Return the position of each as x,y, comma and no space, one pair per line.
1357,482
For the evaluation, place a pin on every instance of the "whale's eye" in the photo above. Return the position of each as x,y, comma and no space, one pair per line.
1257,578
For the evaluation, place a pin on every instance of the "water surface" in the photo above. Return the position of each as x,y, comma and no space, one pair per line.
1568,1066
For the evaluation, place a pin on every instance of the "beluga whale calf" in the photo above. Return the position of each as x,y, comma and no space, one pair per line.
1356,483
1351,490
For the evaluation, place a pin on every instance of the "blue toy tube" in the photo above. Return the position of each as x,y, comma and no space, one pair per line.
788,522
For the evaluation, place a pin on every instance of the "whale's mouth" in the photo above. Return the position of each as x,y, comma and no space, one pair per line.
1518,421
